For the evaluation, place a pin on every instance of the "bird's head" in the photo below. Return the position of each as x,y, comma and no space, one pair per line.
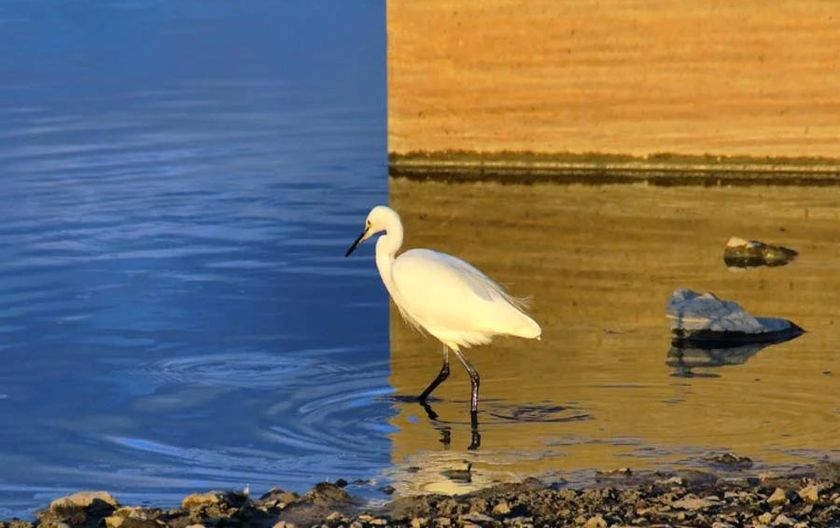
379,219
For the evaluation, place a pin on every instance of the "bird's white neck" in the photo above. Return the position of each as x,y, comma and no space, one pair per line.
386,248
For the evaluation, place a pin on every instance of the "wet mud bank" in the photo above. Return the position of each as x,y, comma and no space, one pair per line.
809,496
593,168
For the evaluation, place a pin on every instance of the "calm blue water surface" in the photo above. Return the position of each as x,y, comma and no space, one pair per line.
179,184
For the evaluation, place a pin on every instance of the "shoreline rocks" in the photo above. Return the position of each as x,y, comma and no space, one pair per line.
807,497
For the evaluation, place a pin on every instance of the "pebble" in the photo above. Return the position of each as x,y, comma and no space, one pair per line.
114,521
810,494
501,508
730,460
478,518
595,522
777,498
783,520
673,481
614,473
692,503
765,518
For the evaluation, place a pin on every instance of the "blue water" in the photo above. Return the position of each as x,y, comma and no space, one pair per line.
179,183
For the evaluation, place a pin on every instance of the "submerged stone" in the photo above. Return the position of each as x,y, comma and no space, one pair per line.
742,253
459,475
706,319
730,460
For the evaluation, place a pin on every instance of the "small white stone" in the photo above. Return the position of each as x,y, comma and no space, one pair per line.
736,242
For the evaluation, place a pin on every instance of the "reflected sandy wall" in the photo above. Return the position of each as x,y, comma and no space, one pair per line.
599,262
748,77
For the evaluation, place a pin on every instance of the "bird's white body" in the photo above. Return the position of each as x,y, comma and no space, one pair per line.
444,295
454,301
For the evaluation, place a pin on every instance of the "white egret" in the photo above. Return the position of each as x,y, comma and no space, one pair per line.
444,296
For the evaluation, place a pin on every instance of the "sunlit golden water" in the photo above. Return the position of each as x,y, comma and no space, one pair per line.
599,390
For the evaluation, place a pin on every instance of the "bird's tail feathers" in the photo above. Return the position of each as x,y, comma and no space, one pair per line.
528,328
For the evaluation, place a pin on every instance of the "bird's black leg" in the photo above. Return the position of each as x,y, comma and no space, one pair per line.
442,375
475,440
474,381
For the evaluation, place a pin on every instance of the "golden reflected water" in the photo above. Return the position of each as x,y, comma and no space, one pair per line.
600,390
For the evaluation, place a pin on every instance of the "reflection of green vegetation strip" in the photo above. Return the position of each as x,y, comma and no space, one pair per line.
599,167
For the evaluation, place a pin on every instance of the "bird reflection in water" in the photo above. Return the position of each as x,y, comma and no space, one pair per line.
446,430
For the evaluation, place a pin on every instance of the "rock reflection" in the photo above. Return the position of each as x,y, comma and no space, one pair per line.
683,358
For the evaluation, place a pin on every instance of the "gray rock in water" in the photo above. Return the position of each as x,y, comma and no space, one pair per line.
748,253
706,319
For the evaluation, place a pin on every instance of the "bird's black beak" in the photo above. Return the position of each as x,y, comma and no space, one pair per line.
356,243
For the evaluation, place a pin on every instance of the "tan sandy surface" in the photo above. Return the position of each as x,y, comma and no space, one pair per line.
748,77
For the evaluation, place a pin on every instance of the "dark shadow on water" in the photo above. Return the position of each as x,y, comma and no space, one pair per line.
545,412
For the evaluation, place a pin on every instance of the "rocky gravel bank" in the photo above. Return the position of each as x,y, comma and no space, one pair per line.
807,498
